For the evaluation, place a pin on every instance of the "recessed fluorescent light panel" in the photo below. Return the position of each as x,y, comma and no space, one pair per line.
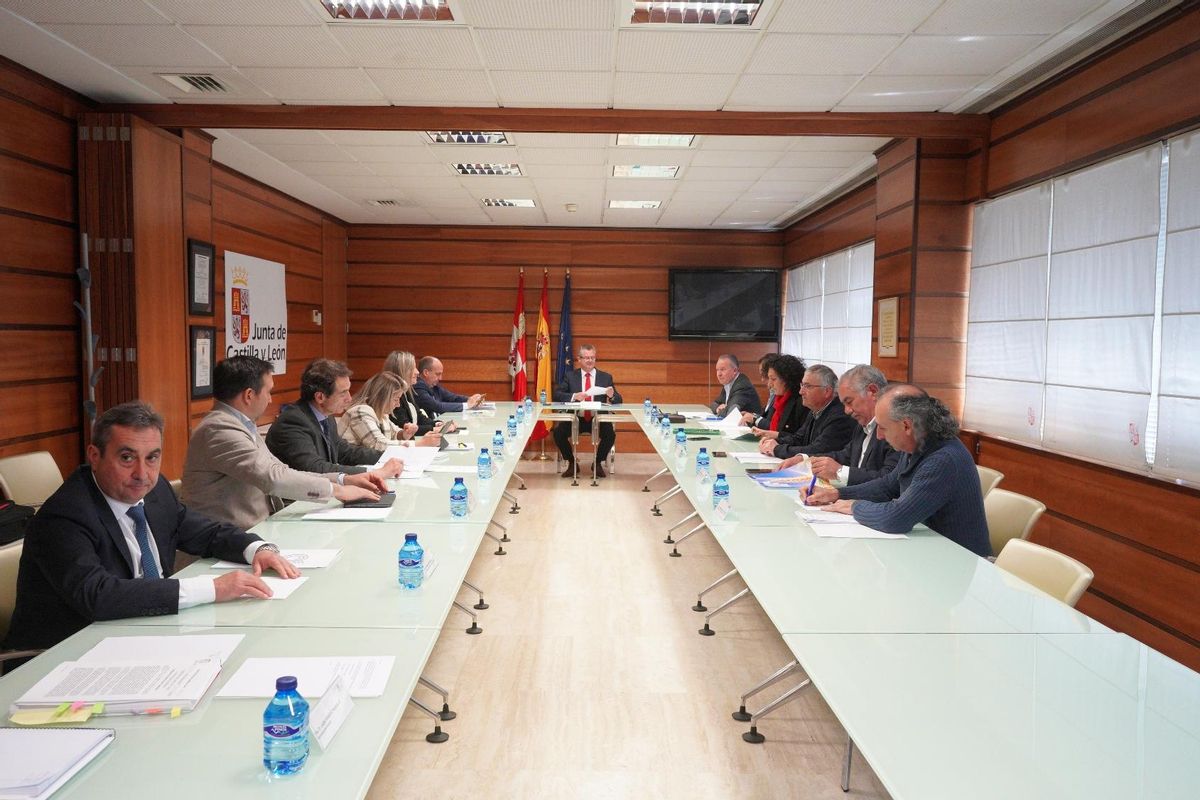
655,139
487,169
467,137
639,204
508,203
644,171
389,10
690,12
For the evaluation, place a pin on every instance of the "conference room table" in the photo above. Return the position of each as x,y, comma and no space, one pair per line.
954,678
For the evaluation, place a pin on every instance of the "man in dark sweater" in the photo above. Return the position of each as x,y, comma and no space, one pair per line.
935,483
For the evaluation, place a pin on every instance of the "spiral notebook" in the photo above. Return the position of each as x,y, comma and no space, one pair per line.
35,762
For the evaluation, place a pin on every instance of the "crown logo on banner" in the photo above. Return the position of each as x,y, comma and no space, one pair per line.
239,306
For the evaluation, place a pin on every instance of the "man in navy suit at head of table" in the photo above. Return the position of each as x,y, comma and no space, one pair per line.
584,384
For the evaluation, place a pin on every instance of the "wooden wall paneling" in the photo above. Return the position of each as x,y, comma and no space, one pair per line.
334,290
267,220
37,244
197,224
161,285
36,408
847,221
35,189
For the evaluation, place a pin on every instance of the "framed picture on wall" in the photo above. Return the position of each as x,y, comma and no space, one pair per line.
200,276
203,340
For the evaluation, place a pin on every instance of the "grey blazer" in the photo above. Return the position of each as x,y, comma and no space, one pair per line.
230,475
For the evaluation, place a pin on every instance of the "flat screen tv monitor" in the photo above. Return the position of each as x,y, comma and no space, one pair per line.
736,305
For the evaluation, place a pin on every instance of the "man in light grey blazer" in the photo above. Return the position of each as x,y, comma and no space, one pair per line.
230,474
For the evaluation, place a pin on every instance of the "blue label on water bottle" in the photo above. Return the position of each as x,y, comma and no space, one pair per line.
280,731
409,562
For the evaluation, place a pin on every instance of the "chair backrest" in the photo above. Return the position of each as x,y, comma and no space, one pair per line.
10,557
1010,516
30,478
1055,574
176,485
988,478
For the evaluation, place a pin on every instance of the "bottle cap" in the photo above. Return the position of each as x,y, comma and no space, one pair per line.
410,537
482,450
720,475
287,683
703,449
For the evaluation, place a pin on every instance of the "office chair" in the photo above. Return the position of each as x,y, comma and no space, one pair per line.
1058,575
28,479
988,478
10,559
1010,516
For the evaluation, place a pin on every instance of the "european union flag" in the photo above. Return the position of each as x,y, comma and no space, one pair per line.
566,355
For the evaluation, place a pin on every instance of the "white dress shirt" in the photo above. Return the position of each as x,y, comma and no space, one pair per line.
843,473
192,591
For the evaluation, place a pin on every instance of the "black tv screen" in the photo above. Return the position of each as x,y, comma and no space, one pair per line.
740,305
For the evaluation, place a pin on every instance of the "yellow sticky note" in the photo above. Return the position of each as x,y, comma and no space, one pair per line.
175,712
98,709
50,716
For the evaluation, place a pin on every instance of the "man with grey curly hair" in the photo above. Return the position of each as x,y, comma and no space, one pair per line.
935,483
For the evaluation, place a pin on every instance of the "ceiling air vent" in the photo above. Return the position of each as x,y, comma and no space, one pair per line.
203,84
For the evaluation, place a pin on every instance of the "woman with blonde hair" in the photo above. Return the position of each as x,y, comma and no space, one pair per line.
366,422
403,364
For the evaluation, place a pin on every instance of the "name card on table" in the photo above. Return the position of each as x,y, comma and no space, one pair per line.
329,714
722,510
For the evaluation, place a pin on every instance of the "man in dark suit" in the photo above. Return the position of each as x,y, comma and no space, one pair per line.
828,428
867,456
103,546
305,436
736,389
575,387
432,397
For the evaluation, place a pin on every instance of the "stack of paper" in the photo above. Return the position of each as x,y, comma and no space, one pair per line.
793,477
415,459
756,458
832,525
34,763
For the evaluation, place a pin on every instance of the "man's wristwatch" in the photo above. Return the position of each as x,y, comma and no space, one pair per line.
270,548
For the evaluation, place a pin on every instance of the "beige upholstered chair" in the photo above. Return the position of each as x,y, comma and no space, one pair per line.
1055,574
176,485
1010,516
988,478
10,558
30,478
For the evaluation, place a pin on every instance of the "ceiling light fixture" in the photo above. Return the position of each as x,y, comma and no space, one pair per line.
468,137
389,10
645,171
694,12
494,202
487,169
638,204
655,139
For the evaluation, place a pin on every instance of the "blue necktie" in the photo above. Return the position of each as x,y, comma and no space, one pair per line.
330,441
141,532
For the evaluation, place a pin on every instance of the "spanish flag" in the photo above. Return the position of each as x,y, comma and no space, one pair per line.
542,354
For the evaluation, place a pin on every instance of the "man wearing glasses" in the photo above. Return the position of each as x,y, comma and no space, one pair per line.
828,428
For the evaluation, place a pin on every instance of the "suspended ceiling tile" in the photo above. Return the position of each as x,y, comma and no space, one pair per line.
474,153
138,45
460,216
979,17
412,87
671,91
548,155
262,46
852,16
525,50
447,184
355,181
668,156
565,171
829,54
735,158
929,92
502,215
239,90
637,187
408,47
291,153
557,89
305,85
816,158
767,143
111,12
408,170
789,92
783,190
956,55
480,186
378,138
394,155
806,173
725,173
562,140
687,52
271,136
223,12
716,187
322,169
539,14
404,216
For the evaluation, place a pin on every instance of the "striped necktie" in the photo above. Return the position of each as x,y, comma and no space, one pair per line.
141,532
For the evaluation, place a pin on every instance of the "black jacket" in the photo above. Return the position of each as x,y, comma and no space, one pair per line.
830,430
572,383
403,415
741,394
296,439
879,460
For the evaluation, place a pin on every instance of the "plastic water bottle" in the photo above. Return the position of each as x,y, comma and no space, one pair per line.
647,407
484,464
498,446
702,464
665,427
654,415
680,443
285,729
512,427
458,498
720,489
410,563
520,414
528,409
542,397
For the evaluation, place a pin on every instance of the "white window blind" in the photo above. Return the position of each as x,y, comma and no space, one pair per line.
827,318
1084,298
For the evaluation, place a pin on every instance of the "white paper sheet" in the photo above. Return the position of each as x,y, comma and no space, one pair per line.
596,391
415,459
123,688
852,530
348,514
454,469
282,588
183,648
364,676
35,762
816,515
301,559
756,458
734,417
328,715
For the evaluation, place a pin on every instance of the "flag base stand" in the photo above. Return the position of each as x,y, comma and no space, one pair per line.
542,455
